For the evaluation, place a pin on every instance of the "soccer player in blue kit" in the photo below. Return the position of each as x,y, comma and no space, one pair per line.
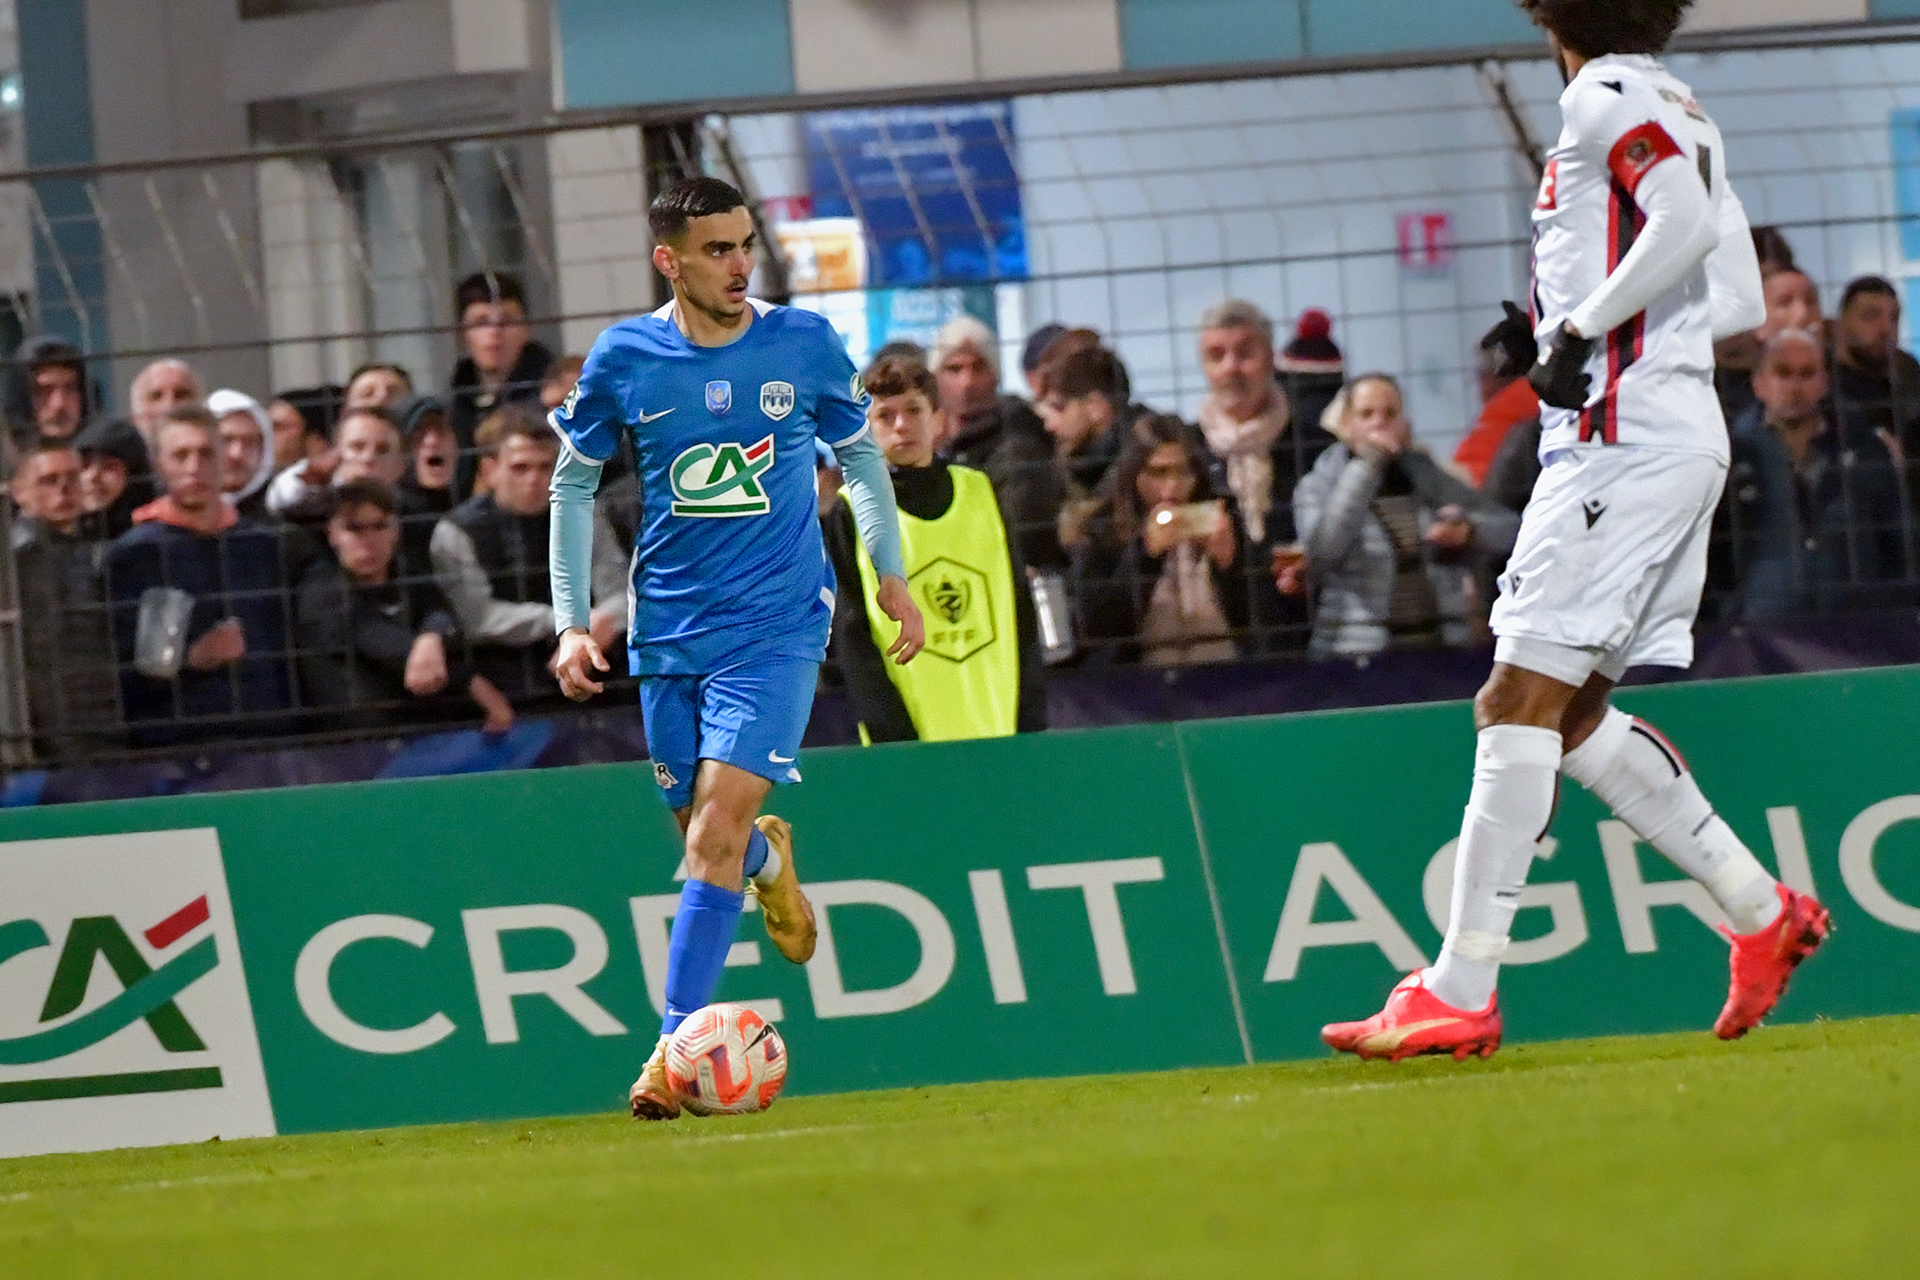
723,397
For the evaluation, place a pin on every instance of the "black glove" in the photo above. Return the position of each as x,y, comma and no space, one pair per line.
1512,343
1561,375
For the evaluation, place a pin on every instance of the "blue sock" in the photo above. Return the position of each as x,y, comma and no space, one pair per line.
756,852
703,931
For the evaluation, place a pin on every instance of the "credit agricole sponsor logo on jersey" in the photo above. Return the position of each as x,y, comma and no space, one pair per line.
721,481
124,1017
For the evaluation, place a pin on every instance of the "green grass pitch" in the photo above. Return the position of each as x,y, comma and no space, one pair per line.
1793,1153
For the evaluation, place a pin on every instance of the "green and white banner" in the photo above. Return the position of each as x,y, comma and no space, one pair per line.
1121,900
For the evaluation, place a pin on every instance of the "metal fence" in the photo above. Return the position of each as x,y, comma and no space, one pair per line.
1396,200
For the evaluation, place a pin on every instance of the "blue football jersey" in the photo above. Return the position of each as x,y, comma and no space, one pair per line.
729,561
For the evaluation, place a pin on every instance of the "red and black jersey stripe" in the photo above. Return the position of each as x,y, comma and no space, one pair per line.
1625,345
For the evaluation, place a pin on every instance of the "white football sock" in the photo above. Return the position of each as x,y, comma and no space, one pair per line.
1636,772
1515,775
769,870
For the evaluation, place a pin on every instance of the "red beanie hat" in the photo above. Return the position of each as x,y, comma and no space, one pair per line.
1312,349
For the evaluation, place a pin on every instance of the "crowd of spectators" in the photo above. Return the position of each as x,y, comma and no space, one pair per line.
215,563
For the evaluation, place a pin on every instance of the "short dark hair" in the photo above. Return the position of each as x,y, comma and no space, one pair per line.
513,419
1868,286
1595,28
901,347
317,407
696,197
896,375
1774,252
41,445
381,366
1034,353
364,492
485,286
1084,371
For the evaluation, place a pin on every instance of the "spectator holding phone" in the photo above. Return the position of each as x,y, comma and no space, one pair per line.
1160,576
1393,541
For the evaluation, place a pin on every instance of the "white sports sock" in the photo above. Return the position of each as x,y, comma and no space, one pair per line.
1636,772
1515,770
770,870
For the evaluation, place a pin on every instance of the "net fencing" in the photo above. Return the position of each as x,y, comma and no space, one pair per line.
1395,200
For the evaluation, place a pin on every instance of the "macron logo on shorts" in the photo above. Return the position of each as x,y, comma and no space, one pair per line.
1594,509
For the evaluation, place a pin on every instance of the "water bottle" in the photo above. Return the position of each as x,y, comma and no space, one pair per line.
1055,615
160,633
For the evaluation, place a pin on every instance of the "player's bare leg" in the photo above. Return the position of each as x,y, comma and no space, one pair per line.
773,879
718,827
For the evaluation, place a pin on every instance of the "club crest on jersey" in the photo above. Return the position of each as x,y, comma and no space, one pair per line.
776,399
719,397
722,481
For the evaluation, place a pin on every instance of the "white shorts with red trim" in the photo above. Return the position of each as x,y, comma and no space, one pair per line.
1610,564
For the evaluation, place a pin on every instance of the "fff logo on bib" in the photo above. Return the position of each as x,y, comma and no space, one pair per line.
120,980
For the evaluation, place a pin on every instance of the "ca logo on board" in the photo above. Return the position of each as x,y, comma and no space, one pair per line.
120,980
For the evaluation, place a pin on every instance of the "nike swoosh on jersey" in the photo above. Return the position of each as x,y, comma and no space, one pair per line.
777,758
646,417
1393,1037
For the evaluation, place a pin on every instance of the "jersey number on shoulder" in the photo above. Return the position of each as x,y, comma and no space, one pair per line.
722,481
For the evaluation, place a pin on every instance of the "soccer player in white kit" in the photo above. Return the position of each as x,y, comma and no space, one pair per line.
1642,259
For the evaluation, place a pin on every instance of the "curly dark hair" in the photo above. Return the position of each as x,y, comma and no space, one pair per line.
1595,28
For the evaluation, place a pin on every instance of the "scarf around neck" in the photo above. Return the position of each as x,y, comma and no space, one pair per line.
1247,449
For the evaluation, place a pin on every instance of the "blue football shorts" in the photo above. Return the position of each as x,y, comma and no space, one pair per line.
751,716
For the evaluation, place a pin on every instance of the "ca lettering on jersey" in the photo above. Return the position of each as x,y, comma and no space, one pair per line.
719,482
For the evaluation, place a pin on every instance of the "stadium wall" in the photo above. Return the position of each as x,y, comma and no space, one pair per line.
1143,206
645,52
1136,899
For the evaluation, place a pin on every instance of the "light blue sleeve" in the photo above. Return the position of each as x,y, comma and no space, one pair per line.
870,489
576,478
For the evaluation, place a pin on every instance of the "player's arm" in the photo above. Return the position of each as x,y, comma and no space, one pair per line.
1680,231
841,420
1734,287
588,425
870,493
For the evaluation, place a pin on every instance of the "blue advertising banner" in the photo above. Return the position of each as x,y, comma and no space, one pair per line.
935,187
